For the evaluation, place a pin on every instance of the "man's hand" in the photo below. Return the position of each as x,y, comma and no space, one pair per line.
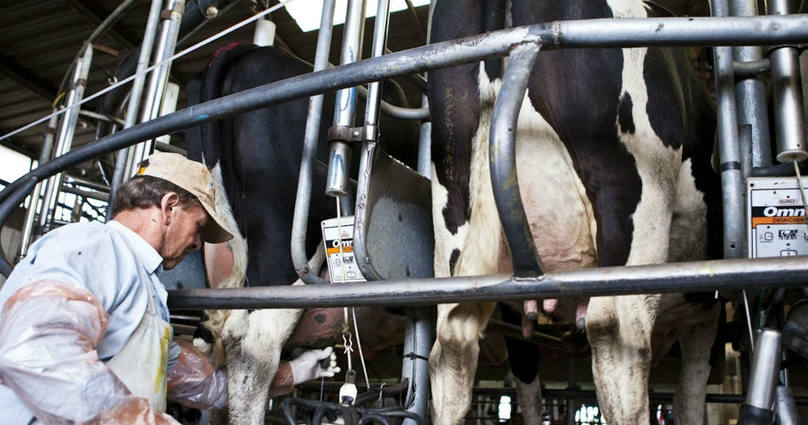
314,364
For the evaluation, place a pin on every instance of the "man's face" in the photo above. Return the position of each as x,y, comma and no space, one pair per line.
182,234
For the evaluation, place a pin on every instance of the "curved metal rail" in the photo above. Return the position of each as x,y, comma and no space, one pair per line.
581,33
502,159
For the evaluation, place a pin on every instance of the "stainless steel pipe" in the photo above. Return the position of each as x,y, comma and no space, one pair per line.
300,217
732,184
701,276
750,94
788,112
166,44
35,204
339,157
64,139
134,99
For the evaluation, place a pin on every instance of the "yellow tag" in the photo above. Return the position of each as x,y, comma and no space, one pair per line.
141,170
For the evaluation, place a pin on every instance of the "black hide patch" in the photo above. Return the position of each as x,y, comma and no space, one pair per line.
455,109
523,357
666,100
453,260
624,117
578,92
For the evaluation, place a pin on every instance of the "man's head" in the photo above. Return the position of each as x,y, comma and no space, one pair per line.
171,203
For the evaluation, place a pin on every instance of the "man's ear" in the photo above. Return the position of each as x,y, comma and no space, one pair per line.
168,206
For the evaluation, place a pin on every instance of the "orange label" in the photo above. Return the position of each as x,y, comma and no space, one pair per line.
345,250
777,220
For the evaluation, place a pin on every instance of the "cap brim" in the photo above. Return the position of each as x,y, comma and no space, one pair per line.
216,229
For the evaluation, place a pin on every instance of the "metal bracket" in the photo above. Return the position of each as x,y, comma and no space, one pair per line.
341,133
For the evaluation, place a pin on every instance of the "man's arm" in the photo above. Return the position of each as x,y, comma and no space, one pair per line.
49,332
194,382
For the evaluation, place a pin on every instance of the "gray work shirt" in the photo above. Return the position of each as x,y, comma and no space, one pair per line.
103,259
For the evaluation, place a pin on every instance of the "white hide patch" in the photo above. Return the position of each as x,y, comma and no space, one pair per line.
528,398
445,241
480,252
657,164
238,244
559,212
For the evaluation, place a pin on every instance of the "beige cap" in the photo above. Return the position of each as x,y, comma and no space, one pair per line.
195,178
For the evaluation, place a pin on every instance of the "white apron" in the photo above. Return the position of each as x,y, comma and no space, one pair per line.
141,364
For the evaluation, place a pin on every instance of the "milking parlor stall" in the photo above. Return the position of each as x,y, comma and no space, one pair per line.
495,212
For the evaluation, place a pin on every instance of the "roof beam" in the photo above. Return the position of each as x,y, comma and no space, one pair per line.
27,79
96,17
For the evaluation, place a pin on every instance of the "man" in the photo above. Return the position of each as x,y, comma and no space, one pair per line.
84,333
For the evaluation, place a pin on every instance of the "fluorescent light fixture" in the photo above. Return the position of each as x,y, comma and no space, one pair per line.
307,13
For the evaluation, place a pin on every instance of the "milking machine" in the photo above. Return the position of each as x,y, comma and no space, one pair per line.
775,204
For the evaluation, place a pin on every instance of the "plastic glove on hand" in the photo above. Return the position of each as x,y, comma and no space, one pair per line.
314,364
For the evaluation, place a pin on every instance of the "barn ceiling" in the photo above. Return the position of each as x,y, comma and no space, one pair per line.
41,38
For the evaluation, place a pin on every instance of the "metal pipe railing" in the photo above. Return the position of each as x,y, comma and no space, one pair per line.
787,91
339,156
375,88
64,139
300,219
732,185
699,276
750,92
155,91
566,34
36,203
502,161
421,321
370,138
134,99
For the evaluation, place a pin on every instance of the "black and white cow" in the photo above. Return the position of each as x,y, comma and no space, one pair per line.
255,157
613,158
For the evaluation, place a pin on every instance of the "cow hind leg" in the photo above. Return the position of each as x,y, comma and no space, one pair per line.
453,359
619,330
691,391
523,360
253,343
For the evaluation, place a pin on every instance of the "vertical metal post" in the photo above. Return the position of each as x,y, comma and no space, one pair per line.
751,94
169,105
166,44
732,186
419,335
788,116
35,203
421,321
374,98
339,157
134,98
64,139
303,198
